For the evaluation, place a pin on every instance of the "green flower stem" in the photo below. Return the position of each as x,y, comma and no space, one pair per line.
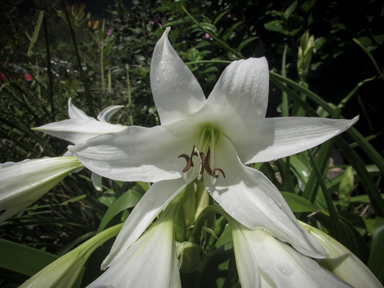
370,57
285,107
207,212
86,91
129,95
238,54
49,69
218,230
101,33
336,224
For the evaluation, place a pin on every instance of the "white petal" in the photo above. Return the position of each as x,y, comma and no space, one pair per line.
152,203
23,183
138,153
175,89
97,181
281,266
150,262
76,113
342,262
249,197
284,136
246,261
108,112
238,103
79,130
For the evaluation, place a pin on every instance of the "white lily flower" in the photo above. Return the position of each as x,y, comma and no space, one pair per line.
215,136
150,262
80,127
342,262
24,182
264,261
63,272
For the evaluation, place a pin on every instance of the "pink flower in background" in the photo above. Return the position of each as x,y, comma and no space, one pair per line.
206,36
109,33
159,24
151,22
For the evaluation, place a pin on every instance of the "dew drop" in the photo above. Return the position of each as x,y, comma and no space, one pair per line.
157,79
162,62
285,269
18,172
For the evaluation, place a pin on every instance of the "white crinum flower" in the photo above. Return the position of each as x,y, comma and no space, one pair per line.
342,262
24,182
80,127
264,261
228,130
63,272
150,262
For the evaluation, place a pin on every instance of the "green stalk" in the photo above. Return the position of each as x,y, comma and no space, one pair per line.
83,78
49,69
129,95
102,58
336,225
199,224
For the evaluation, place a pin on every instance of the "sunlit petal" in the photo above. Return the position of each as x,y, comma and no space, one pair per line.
151,204
238,102
150,262
175,89
342,262
76,113
280,137
78,130
138,153
249,197
108,112
279,265
24,182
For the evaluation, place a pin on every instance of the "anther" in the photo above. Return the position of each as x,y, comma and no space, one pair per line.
188,159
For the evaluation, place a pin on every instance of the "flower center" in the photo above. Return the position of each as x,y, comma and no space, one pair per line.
208,139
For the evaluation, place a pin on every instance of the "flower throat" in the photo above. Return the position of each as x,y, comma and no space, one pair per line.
208,138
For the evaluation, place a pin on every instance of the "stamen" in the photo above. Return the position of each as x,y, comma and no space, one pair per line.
205,163
220,170
188,159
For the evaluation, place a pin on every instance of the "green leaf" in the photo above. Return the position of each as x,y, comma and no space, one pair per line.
276,25
36,32
346,187
127,200
246,42
298,203
290,10
23,260
376,256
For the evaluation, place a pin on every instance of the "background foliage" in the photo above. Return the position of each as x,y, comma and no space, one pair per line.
41,68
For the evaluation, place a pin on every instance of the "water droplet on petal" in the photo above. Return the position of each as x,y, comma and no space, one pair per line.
285,269
162,62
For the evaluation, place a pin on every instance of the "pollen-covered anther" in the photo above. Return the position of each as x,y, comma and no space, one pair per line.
188,159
